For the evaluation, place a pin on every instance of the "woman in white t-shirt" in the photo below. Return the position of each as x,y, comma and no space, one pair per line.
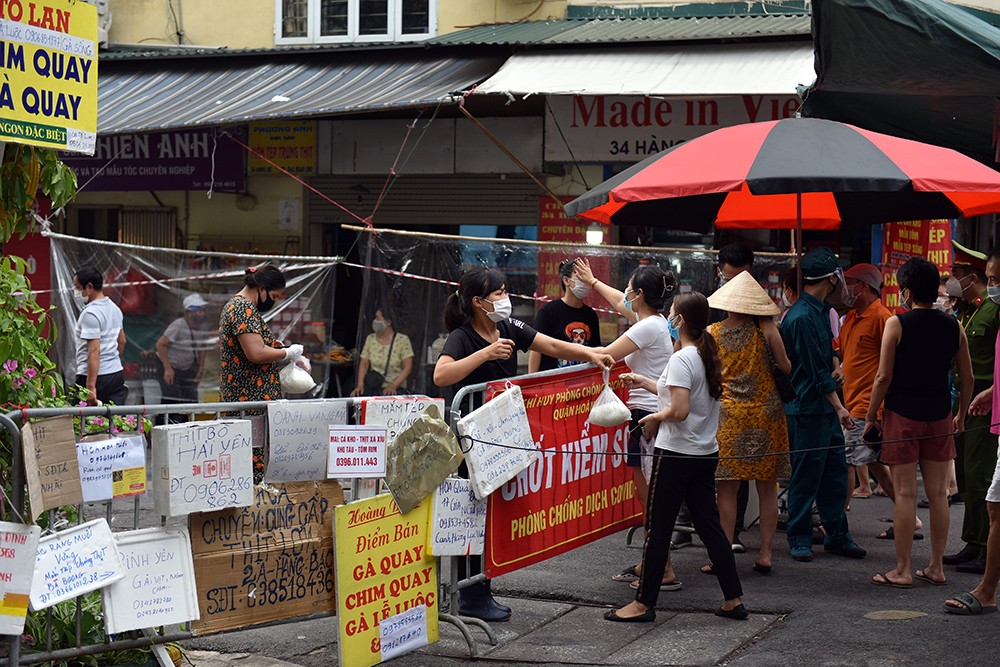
645,347
685,426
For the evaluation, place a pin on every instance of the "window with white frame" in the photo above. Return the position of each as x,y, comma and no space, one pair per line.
312,21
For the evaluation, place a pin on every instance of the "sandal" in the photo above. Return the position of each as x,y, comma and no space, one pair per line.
890,534
922,576
627,575
707,569
737,613
762,569
674,585
882,580
972,605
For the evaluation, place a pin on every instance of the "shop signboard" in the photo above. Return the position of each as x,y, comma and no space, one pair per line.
290,145
930,239
48,55
607,129
195,159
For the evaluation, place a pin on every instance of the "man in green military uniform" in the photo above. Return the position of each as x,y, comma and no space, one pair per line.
980,317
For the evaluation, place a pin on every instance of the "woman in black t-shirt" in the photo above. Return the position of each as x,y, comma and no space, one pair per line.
481,348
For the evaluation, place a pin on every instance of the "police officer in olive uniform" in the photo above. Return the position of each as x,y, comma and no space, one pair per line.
978,448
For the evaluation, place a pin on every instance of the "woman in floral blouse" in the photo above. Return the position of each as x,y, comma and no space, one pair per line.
248,351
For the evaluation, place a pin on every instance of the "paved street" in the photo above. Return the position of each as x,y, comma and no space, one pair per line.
820,613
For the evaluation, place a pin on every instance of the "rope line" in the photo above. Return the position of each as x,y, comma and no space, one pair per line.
654,454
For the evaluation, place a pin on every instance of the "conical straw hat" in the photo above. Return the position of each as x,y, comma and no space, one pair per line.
743,295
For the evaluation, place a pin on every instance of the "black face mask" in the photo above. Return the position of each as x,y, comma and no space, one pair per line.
265,305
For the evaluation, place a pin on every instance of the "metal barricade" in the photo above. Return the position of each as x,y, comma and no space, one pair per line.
12,423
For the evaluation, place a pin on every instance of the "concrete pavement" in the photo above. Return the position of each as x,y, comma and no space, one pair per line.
821,613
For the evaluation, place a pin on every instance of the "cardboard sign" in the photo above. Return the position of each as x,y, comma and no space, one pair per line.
356,451
18,550
420,459
578,489
158,588
404,632
202,466
50,464
112,467
396,413
497,442
458,520
270,561
300,438
72,562
383,569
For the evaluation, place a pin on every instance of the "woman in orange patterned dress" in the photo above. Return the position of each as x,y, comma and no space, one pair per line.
753,437
248,351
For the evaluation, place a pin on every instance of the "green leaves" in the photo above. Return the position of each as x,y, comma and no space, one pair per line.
23,171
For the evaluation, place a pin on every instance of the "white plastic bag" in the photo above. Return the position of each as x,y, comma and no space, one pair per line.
647,449
608,409
296,378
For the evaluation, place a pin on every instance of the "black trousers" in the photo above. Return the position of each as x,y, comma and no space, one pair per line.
110,388
686,478
183,390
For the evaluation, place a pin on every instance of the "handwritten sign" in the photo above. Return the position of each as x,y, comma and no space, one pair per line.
498,442
18,549
270,561
356,451
158,588
383,569
458,520
72,562
396,413
404,632
50,464
202,466
112,467
300,438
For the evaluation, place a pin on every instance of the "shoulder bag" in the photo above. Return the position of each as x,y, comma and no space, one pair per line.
784,384
373,379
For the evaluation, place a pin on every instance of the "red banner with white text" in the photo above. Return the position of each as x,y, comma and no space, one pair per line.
577,491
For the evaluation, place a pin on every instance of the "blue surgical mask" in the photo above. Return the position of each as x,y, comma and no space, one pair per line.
673,329
994,293
628,302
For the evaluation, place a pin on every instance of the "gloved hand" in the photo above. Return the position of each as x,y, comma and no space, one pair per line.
293,351
303,363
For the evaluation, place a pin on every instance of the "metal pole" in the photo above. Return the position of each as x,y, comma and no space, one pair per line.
798,241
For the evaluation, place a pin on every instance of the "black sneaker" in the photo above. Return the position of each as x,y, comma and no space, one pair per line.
848,549
955,499
680,539
925,504
967,553
975,566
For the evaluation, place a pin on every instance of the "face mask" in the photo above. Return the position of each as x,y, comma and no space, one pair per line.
628,302
784,300
903,300
378,326
673,328
941,303
265,305
80,299
723,279
579,290
994,293
501,310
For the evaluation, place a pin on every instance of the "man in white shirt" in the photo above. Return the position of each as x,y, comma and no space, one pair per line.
100,340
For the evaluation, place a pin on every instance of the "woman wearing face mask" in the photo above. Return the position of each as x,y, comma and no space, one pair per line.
389,354
482,347
181,351
919,348
646,348
568,319
685,428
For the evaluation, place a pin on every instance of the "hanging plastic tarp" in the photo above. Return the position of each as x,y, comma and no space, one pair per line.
150,285
408,276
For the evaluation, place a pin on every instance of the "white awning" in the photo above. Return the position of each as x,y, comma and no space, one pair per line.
771,68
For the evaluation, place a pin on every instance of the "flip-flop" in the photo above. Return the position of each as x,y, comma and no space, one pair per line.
672,586
919,574
973,607
627,575
707,569
882,580
762,569
890,534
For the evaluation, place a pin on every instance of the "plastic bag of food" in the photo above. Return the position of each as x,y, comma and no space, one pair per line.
295,379
608,409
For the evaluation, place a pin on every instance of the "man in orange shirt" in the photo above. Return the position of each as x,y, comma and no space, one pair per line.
860,345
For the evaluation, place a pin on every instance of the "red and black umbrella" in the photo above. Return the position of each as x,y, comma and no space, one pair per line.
793,173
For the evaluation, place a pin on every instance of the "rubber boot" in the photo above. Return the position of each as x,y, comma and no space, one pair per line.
477,602
489,594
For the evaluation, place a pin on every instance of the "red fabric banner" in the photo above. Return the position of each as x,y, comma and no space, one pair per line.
930,239
579,490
